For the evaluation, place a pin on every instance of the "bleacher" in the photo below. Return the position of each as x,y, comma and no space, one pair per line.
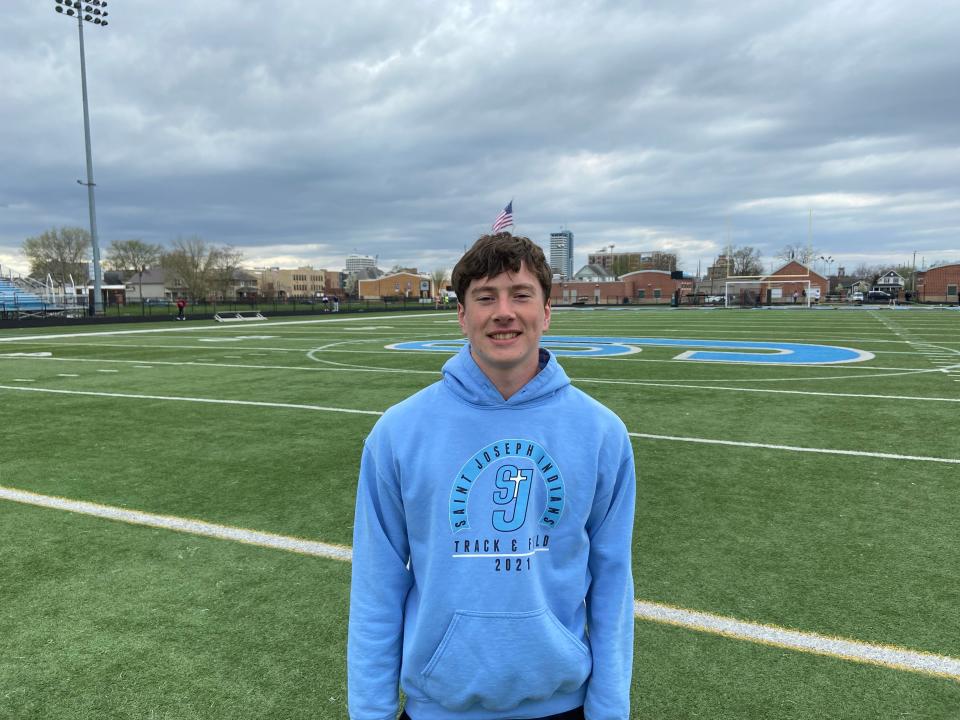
15,299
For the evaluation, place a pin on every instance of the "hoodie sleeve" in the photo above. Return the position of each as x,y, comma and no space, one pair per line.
378,591
610,597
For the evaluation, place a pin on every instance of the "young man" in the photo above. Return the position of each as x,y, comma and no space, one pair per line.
491,556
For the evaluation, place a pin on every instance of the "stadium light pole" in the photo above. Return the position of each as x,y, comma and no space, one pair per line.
95,13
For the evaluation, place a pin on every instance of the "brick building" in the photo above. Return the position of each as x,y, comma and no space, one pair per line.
396,285
788,285
939,284
644,287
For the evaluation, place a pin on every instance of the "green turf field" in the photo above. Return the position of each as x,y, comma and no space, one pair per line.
815,498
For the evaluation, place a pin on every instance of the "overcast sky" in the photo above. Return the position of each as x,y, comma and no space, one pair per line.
303,131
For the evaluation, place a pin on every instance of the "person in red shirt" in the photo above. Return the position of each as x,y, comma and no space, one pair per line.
181,304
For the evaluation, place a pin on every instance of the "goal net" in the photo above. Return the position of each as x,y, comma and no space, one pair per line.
761,292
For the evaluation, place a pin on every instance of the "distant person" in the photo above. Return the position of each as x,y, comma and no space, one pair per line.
492,538
796,295
336,303
181,306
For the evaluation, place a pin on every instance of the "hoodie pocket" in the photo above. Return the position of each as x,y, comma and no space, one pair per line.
499,660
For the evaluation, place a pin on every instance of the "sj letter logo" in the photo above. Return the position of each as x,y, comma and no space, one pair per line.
513,487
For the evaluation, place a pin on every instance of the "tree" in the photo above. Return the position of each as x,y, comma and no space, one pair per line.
868,273
223,269
60,253
746,261
201,268
132,257
439,277
804,254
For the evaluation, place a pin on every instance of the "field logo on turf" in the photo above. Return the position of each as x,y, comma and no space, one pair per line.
721,351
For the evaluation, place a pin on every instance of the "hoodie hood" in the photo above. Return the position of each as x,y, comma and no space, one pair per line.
464,378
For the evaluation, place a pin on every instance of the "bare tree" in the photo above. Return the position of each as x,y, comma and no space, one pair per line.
804,254
223,270
133,257
868,273
440,278
746,261
201,268
60,253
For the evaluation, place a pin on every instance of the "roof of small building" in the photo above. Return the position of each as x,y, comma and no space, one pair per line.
640,272
592,271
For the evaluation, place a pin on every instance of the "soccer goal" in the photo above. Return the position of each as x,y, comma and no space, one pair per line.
765,291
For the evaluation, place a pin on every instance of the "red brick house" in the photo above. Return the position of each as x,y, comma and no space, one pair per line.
788,285
939,284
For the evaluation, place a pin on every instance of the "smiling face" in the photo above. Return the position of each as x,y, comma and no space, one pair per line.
504,317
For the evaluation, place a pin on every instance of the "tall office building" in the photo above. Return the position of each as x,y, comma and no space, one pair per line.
359,262
625,262
561,253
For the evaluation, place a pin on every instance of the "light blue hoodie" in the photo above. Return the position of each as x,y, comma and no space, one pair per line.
491,555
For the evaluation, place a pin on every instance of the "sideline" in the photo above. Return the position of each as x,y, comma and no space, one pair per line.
854,650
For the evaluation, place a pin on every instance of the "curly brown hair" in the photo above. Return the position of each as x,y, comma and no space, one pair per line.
495,254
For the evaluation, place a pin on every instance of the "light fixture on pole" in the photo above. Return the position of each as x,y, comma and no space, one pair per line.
95,13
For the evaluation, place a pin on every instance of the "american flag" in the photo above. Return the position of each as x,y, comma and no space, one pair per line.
504,219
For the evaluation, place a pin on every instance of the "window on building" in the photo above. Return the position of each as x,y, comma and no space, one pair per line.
951,289
641,294
656,293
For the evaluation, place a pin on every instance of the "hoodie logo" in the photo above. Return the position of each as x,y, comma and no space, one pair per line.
502,484
510,480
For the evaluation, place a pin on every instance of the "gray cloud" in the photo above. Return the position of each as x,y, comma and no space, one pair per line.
303,131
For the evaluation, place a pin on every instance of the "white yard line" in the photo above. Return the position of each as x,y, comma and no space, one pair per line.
376,413
885,655
176,398
795,448
244,366
888,656
169,522
205,327
770,390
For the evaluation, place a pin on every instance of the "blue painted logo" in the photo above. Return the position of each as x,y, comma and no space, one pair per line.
723,351
497,485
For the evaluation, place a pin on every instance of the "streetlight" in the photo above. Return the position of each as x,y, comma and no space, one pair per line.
95,13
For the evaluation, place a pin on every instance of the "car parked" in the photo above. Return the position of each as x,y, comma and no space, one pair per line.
856,297
878,296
